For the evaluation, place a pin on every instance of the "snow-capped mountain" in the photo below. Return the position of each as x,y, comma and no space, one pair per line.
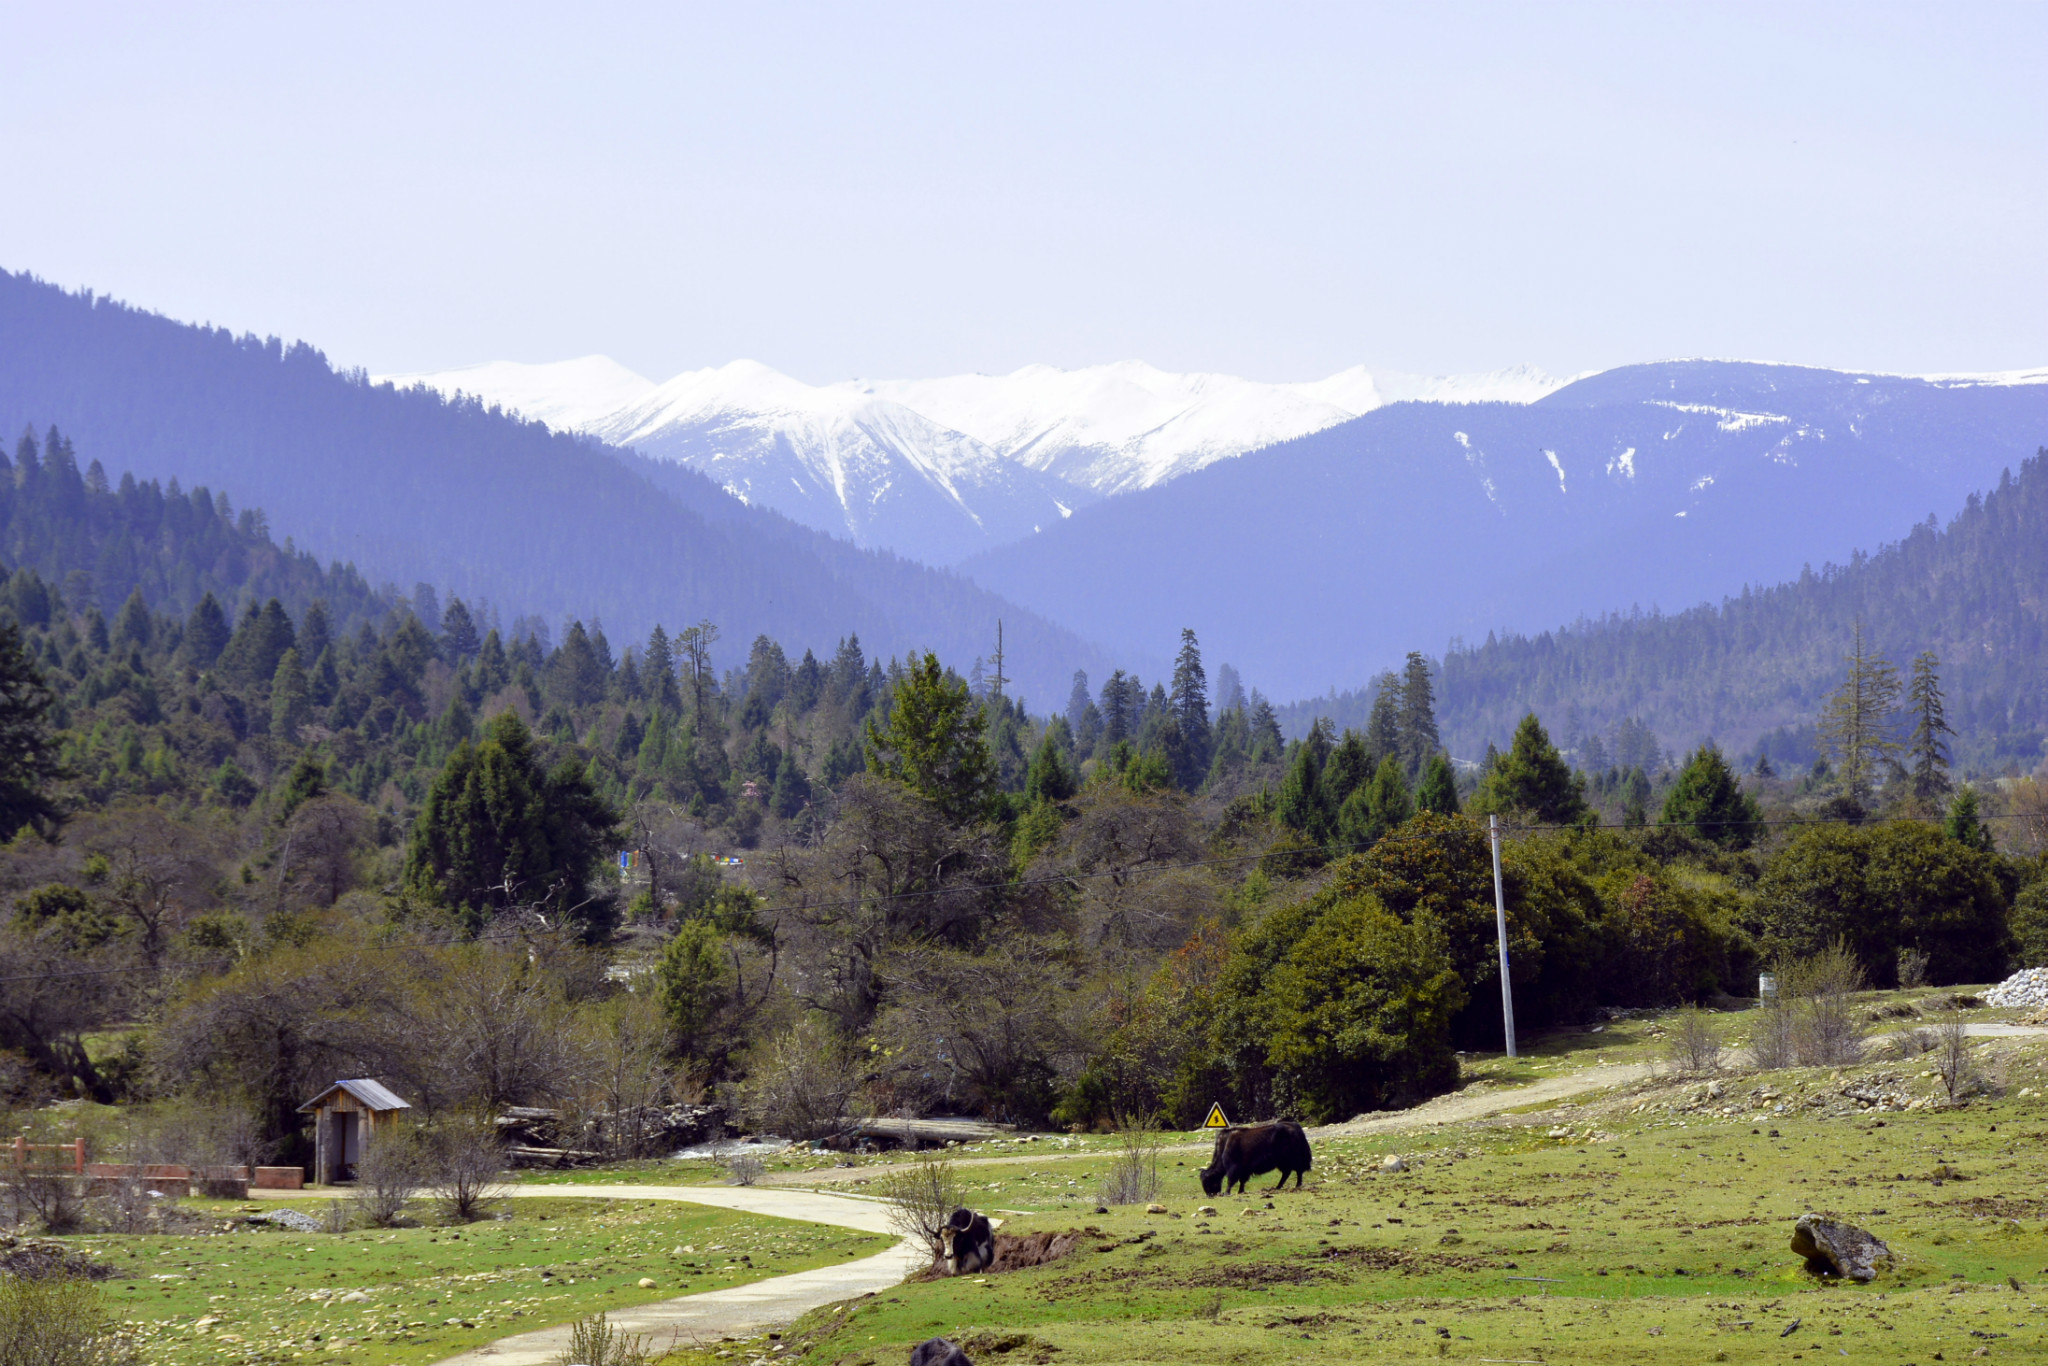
841,460
940,469
1114,428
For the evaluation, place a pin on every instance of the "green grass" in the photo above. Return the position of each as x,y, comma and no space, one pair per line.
1657,1224
259,1289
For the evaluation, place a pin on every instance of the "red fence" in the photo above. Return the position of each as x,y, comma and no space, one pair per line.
62,1156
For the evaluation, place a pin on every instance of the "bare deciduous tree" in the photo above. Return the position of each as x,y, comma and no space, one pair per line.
801,1082
464,1161
921,1196
1952,1061
1694,1043
389,1173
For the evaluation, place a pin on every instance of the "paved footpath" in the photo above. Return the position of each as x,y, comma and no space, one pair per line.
716,1314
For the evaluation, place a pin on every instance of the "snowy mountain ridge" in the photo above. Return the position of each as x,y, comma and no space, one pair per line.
943,468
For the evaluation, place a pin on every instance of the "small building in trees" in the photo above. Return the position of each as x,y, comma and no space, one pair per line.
347,1115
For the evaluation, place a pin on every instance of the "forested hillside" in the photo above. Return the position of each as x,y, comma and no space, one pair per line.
1974,592
411,487
367,835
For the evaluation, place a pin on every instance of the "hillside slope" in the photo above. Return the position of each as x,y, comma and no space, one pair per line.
410,486
1325,558
1975,592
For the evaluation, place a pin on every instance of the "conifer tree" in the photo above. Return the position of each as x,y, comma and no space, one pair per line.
307,780
578,679
496,831
288,698
206,633
1532,777
1349,768
1050,778
1709,802
1964,825
493,668
1438,791
134,627
1926,746
1301,804
315,634
1190,704
1078,701
458,632
1266,740
28,753
933,742
695,644
1383,725
1116,709
1378,806
1419,738
1856,722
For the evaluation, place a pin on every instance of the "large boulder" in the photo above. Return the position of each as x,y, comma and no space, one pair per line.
1832,1247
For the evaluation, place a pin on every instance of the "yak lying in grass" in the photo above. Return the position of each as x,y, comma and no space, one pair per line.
1255,1149
967,1244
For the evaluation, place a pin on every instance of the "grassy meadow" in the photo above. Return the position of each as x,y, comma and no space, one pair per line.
1648,1223
428,1292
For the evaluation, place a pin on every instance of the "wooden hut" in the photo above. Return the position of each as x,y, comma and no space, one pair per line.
345,1116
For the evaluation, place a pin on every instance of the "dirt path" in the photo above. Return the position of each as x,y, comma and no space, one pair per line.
742,1309
1458,1106
1472,1103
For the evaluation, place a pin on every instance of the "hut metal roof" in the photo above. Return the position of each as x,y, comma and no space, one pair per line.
371,1093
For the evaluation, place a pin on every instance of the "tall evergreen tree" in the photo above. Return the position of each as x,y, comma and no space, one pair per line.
289,698
206,633
493,668
1927,747
1301,805
1376,807
133,625
1533,778
1438,790
577,678
1349,768
1116,709
1383,726
1189,701
1709,801
1050,778
1266,740
934,742
1078,701
28,752
1857,720
1419,739
315,633
496,832
261,639
1964,825
458,632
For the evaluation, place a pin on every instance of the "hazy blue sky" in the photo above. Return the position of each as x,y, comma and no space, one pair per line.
891,190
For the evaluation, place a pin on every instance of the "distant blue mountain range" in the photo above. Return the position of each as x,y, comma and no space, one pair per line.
1320,561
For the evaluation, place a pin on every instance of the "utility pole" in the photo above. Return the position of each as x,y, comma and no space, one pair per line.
1500,925
995,683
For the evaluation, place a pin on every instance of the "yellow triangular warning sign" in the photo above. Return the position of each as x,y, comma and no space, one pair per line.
1216,1119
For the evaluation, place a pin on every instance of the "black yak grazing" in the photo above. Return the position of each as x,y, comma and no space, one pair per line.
1255,1149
